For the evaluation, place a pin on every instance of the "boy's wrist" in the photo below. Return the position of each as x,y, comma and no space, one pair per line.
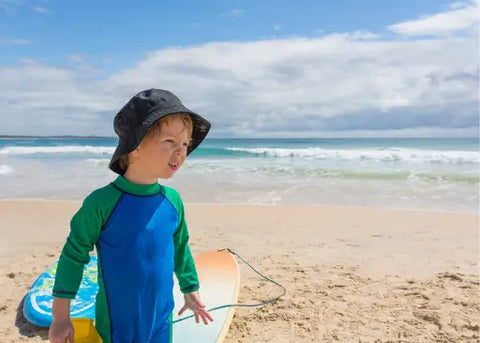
61,308
191,288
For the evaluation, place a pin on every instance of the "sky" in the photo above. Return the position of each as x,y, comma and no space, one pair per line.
268,68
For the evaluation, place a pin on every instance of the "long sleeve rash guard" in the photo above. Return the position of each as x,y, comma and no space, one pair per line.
141,238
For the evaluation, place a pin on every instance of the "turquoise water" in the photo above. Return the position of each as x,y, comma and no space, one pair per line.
436,173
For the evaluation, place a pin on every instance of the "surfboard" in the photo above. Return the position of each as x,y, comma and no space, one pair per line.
37,308
219,278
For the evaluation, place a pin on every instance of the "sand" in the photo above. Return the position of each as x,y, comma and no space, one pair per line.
351,274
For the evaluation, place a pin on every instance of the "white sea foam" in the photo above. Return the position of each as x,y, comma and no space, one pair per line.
371,154
380,155
97,161
5,169
66,149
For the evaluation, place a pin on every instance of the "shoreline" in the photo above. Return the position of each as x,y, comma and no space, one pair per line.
323,205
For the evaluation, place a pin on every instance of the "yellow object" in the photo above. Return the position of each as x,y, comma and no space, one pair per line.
85,331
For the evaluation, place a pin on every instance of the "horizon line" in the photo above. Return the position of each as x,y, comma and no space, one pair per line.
331,137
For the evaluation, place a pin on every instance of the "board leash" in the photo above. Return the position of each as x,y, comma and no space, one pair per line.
263,303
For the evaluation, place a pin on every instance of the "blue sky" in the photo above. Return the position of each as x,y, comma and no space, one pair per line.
347,68
122,31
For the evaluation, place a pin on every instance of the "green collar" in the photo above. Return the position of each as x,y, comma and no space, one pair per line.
134,188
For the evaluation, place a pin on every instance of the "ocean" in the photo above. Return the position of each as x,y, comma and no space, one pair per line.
414,173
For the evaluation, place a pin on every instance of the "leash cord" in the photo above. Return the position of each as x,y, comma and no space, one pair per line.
284,290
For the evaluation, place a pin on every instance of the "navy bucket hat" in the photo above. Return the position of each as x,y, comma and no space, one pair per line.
133,121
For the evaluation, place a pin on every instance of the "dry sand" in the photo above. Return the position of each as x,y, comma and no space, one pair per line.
352,274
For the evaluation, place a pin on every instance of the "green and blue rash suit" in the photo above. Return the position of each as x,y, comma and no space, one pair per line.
141,238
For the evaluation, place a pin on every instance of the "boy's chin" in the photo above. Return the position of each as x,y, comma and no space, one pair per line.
166,176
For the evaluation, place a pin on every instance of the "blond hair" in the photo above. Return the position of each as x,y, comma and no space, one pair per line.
155,129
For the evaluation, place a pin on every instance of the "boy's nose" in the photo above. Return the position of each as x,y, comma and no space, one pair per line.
180,150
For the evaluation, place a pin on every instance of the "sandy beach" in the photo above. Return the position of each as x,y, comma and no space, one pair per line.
352,274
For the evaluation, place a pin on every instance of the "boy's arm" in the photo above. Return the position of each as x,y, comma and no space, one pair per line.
184,264
84,230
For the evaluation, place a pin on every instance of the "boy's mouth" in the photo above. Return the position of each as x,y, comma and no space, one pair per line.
174,166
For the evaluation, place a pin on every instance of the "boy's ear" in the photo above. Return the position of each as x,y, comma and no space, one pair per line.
134,153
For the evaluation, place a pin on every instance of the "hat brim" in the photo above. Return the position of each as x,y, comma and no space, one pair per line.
122,149
200,129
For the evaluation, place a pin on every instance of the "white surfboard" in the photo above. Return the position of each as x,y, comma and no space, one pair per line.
219,278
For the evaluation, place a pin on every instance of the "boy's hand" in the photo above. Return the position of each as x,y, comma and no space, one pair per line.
192,302
60,330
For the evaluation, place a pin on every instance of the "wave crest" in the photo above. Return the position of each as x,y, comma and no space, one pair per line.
380,155
67,149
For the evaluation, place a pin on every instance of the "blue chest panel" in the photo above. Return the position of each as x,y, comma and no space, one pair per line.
140,225
136,252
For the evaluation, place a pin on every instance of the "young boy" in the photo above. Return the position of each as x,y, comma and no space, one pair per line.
138,228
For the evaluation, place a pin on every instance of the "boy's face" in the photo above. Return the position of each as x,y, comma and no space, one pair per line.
161,155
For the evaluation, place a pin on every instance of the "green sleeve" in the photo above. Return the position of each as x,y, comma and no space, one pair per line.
85,228
184,264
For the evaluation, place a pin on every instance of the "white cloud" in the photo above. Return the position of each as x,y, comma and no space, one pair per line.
7,4
277,27
335,85
13,5
235,13
299,80
18,41
28,60
82,67
459,4
461,16
40,10
357,35
76,58
40,99
86,70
